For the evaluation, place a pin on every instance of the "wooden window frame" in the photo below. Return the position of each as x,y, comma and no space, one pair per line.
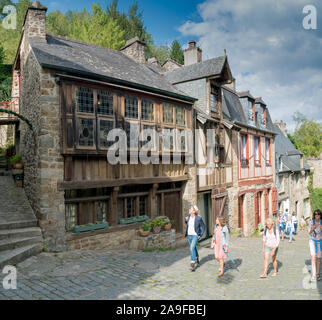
138,107
247,150
215,92
257,163
269,162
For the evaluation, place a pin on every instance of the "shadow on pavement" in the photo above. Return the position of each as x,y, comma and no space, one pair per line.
271,268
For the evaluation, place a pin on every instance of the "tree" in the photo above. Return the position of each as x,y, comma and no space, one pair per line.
176,53
1,54
161,53
307,136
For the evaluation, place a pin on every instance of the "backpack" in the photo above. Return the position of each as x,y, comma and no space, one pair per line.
265,231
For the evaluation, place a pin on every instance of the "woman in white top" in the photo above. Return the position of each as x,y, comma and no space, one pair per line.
271,241
315,244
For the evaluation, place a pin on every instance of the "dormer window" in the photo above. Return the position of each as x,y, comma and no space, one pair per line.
214,99
251,110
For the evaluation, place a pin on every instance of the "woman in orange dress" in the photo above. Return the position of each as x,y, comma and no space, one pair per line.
220,241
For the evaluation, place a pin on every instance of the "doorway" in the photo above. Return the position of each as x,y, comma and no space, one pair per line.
204,205
241,212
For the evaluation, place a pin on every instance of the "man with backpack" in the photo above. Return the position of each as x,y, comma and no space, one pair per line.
271,240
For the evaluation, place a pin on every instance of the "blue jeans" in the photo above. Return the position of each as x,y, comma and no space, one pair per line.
295,228
193,240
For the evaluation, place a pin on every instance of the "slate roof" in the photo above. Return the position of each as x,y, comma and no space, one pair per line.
195,71
233,110
283,146
78,57
260,100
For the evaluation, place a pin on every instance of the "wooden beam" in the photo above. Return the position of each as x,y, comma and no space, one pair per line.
85,184
113,207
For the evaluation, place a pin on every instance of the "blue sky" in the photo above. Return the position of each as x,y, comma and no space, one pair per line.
162,18
269,51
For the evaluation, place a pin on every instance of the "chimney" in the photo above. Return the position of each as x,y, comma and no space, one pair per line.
154,61
282,126
193,54
35,22
135,49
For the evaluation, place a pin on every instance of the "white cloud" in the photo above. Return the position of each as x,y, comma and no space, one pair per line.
269,51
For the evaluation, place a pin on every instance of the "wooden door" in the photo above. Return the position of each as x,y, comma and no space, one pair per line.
241,212
219,198
266,203
256,203
172,209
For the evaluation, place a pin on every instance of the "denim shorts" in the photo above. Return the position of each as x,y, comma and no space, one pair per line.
269,250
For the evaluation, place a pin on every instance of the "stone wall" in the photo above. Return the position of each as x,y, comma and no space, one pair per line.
189,195
41,148
316,164
129,238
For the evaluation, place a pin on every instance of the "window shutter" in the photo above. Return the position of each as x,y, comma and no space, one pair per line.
266,203
274,200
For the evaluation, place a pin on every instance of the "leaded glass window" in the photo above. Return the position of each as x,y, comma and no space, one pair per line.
130,207
167,113
131,107
168,139
71,216
181,116
181,140
147,109
104,102
101,207
84,98
104,128
132,134
142,202
86,132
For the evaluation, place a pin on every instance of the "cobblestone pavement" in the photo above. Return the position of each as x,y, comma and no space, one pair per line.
127,274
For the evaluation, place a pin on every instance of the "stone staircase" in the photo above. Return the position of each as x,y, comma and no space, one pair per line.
3,166
20,237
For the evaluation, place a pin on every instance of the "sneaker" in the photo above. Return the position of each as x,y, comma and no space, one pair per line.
192,266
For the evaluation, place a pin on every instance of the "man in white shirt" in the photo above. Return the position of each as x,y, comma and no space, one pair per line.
195,228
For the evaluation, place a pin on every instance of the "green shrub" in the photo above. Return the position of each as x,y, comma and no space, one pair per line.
146,226
16,159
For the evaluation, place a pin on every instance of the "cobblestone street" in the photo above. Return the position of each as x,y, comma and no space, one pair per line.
165,275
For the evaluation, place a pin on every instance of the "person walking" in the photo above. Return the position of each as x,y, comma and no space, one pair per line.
220,242
315,244
295,222
271,240
282,225
290,228
302,223
195,228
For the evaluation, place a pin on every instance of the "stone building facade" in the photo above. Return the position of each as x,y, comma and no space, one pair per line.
292,175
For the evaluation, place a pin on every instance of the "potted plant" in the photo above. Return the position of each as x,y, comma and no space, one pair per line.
156,225
167,224
16,161
145,229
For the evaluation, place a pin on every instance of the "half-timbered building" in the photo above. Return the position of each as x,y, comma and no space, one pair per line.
74,93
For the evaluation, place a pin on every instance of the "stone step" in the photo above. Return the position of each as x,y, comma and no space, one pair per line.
12,257
20,233
11,244
18,224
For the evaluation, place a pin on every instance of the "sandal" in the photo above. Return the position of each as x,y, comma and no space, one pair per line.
274,274
318,277
263,276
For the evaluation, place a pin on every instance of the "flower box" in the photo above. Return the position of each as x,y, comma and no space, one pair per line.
133,219
91,227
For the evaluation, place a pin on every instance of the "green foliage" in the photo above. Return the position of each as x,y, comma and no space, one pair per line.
2,55
176,53
15,159
315,195
158,222
307,136
161,53
19,116
146,226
